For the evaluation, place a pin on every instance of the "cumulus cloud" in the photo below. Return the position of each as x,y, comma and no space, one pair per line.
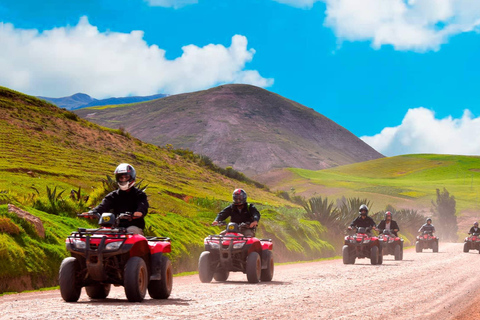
299,3
421,132
171,3
67,60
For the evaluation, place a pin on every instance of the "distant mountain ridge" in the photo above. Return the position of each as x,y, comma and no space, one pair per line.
82,100
242,126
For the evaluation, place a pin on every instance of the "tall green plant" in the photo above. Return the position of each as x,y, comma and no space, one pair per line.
323,211
444,209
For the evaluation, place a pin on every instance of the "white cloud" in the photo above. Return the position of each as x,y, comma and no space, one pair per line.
171,3
421,132
299,3
67,60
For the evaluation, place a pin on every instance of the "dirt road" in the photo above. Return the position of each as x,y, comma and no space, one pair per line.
422,286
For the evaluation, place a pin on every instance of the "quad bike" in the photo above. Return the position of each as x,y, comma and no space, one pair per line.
391,244
426,241
362,245
472,242
111,255
233,252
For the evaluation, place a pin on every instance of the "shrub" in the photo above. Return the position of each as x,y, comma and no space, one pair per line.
7,226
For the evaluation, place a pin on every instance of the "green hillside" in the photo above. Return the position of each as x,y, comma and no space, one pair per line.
44,146
407,181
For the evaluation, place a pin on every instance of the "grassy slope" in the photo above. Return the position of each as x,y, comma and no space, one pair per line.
407,181
43,145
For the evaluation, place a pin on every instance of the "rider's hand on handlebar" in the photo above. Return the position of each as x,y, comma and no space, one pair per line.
87,215
214,223
137,215
349,228
253,224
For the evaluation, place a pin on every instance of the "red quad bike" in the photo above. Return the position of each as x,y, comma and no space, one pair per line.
472,242
391,244
111,255
426,241
362,245
235,252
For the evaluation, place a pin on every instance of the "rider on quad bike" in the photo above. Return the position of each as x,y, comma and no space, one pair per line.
388,224
474,229
240,212
363,220
427,227
126,198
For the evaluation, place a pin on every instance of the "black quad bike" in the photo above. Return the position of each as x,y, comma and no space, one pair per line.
472,242
391,244
426,241
111,255
233,252
362,245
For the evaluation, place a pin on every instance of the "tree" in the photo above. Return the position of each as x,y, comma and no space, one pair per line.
444,212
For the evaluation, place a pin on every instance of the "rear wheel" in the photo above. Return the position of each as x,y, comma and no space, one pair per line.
205,271
70,287
435,246
267,274
374,255
99,291
161,289
397,252
418,247
254,267
380,256
221,275
135,279
465,247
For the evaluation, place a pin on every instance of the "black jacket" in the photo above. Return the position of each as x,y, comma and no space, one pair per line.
248,214
393,225
119,201
472,230
363,223
428,228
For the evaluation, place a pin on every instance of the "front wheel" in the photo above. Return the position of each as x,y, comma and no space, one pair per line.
418,247
161,289
465,247
435,246
346,255
205,271
254,267
267,274
374,255
99,291
135,279
70,287
398,252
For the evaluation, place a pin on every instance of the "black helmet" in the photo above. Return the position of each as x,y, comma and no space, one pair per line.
388,214
362,208
428,219
122,170
239,197
475,224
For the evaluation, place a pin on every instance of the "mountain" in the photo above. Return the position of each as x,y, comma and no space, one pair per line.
242,126
82,100
52,160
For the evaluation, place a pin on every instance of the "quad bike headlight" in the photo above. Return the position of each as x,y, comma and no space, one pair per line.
214,245
238,245
113,245
366,241
79,244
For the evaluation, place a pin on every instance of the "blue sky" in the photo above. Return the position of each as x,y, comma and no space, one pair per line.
382,69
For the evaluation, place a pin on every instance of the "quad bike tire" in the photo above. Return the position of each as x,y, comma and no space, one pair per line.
374,255
465,247
435,246
254,267
161,289
98,291
205,271
348,257
397,252
221,275
135,279
70,289
418,247
401,252
267,274
380,256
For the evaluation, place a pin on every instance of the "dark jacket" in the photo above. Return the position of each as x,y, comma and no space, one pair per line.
248,214
393,225
428,228
119,201
472,230
363,223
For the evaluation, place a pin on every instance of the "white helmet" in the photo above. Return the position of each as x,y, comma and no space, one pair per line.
125,169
